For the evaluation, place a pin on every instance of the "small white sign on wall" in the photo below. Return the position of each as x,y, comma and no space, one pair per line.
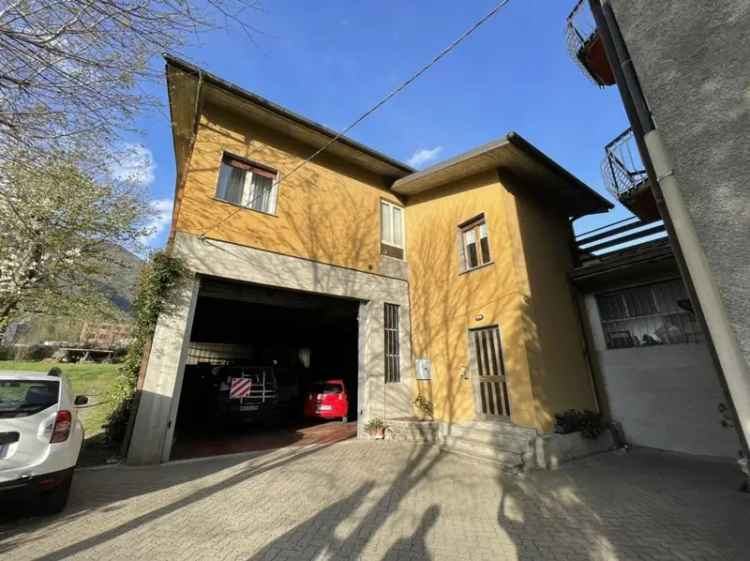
424,369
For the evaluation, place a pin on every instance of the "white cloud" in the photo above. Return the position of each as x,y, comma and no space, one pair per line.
133,163
160,220
424,155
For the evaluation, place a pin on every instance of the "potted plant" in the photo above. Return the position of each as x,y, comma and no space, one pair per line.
588,423
424,407
375,427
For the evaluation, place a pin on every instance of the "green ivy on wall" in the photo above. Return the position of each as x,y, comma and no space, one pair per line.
155,284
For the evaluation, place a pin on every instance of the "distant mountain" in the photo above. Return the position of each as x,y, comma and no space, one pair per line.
118,284
121,280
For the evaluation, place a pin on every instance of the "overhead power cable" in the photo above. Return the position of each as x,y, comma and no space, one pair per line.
406,83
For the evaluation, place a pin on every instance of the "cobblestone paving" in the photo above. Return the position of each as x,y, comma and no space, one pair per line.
393,501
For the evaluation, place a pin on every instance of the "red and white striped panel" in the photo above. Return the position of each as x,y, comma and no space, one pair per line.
239,388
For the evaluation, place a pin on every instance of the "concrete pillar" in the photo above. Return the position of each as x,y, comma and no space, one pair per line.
151,442
362,390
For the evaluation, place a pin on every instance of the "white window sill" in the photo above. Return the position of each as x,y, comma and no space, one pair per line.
477,268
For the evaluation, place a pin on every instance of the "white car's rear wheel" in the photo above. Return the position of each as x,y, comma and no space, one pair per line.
54,501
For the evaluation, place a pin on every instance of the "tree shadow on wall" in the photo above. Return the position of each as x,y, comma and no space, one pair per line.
447,302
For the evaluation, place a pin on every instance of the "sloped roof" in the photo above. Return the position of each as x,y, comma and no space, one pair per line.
511,153
514,154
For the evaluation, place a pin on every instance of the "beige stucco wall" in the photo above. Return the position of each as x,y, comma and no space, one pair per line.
560,372
525,292
446,302
327,211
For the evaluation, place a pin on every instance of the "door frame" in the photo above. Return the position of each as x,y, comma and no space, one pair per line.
475,377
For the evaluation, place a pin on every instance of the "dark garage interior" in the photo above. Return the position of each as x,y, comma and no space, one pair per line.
283,343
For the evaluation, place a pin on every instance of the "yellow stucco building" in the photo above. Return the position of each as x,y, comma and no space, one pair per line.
454,278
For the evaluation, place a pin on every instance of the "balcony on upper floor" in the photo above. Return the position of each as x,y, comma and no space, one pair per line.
586,46
626,178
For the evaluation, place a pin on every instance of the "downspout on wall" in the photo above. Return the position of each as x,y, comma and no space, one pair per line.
734,374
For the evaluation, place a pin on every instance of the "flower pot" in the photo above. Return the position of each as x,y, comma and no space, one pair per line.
593,57
378,433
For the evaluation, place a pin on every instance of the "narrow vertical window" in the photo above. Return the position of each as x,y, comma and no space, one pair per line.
391,343
474,243
247,185
391,230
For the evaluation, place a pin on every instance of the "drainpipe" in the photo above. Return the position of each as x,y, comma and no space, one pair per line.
734,375
734,366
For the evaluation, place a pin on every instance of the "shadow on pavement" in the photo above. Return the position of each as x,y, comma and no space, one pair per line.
148,480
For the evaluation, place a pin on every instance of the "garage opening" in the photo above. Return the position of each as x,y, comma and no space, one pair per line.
267,368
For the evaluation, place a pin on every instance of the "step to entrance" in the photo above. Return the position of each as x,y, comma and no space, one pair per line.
498,442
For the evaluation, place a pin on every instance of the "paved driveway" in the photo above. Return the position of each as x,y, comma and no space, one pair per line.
387,500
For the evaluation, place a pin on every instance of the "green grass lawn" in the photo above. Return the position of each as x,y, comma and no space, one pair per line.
92,380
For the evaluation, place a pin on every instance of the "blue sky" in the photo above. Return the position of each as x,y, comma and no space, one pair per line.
330,61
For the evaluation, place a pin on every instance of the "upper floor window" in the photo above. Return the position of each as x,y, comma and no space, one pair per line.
655,314
244,184
474,243
391,230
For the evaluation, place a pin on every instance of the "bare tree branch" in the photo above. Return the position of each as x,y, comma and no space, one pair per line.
70,69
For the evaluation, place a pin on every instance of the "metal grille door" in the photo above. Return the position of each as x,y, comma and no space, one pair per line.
488,373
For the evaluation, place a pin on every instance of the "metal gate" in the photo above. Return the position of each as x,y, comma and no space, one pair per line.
488,373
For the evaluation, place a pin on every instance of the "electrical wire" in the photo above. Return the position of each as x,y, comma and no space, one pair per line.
393,93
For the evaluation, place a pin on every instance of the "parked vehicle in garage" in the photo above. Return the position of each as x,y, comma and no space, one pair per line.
247,393
40,438
327,400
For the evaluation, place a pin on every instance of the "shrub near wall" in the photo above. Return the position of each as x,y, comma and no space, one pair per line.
155,284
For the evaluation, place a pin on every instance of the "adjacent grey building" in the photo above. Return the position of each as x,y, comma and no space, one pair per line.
682,71
691,58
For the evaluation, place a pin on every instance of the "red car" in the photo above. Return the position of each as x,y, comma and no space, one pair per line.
327,400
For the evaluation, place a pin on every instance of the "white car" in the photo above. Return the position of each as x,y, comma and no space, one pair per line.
40,437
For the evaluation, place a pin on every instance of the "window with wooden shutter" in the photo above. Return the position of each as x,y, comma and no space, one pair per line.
474,244
246,184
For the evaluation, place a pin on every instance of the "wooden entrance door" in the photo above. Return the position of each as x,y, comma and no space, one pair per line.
488,373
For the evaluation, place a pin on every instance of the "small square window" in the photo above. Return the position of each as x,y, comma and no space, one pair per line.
474,244
247,185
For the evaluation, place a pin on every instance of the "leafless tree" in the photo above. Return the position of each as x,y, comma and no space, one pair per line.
72,71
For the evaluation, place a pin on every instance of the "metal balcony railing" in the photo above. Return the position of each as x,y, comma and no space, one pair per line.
585,45
622,168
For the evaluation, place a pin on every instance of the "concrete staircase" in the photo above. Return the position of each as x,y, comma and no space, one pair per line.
499,442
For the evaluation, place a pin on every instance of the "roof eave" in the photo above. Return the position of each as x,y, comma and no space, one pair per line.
498,154
397,169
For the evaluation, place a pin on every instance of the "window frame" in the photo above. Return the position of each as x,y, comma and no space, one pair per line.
388,248
247,195
474,224
391,343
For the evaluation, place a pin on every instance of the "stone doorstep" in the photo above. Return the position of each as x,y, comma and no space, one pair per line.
499,442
